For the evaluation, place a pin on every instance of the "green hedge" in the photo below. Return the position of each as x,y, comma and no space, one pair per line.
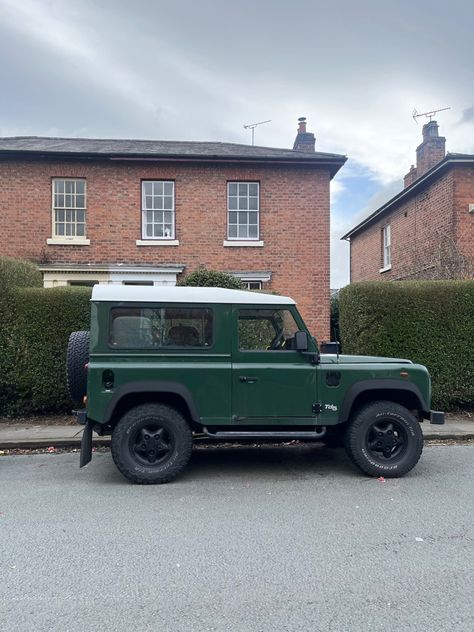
33,342
18,273
429,322
211,278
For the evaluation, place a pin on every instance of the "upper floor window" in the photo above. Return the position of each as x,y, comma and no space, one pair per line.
69,208
386,247
158,217
243,210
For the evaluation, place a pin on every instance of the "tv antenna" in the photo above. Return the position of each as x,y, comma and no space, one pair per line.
427,114
252,126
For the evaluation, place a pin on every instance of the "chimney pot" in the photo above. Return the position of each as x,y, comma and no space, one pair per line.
304,140
430,130
302,125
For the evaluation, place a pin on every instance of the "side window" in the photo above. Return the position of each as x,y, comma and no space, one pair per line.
266,330
386,246
145,328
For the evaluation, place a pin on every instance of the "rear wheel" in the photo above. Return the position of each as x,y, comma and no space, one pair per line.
151,444
384,439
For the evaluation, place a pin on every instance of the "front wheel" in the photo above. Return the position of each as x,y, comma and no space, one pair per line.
151,444
384,439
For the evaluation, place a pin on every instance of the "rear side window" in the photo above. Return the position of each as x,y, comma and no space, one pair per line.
151,328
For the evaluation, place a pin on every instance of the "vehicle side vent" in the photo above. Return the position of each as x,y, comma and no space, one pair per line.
333,378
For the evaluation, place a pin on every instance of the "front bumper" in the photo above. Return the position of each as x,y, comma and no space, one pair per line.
434,416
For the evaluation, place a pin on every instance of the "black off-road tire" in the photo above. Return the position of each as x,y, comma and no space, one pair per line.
384,439
145,429
76,371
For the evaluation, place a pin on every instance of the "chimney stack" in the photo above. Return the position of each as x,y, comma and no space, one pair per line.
304,140
431,151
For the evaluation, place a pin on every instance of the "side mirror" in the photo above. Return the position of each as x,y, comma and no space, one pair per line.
301,341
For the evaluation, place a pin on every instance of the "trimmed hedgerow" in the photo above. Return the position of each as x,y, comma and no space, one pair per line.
18,273
429,322
211,278
33,339
14,273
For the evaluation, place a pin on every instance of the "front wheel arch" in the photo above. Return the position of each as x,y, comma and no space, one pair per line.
361,394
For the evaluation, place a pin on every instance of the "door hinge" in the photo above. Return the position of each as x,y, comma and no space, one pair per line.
316,408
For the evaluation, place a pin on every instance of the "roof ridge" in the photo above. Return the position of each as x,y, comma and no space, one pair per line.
170,142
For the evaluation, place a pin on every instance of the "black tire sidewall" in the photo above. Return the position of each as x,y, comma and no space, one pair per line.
77,358
359,427
174,424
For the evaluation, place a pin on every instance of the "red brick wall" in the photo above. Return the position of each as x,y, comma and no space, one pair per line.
463,196
429,153
419,228
294,221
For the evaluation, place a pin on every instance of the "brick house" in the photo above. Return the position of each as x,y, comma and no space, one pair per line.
143,212
427,230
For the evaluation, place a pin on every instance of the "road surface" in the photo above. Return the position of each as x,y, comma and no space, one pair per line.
273,539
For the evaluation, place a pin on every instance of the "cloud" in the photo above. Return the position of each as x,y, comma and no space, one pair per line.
200,70
467,115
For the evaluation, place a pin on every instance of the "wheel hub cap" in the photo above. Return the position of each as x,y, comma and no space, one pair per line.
386,439
152,444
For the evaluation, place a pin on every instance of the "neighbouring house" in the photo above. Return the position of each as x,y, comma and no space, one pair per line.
427,230
143,212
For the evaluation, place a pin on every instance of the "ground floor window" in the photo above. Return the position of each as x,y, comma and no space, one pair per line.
252,285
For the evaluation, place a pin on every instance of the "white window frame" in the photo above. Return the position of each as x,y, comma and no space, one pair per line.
66,209
245,210
247,283
156,238
386,248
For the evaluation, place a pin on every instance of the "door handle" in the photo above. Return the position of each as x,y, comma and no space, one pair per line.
247,379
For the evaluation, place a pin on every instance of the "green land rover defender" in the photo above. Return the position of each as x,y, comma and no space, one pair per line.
164,365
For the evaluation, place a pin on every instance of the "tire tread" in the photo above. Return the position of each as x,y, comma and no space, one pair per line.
151,410
353,437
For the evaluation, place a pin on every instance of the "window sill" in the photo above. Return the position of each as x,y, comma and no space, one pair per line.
157,242
234,243
64,241
386,269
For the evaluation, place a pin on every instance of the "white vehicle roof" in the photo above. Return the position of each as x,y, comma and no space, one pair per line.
164,294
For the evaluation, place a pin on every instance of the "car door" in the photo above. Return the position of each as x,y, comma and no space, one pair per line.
271,381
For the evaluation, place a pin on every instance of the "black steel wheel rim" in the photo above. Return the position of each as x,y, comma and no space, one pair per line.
151,444
386,440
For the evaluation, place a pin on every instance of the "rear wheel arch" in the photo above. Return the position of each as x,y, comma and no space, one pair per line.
174,395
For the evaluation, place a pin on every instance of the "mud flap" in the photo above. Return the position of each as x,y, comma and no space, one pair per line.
86,445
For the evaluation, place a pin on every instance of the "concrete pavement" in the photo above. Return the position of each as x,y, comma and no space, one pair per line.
23,435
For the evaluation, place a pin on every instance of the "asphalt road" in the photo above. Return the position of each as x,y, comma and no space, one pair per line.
264,540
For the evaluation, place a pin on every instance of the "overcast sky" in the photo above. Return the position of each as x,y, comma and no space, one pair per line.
201,69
